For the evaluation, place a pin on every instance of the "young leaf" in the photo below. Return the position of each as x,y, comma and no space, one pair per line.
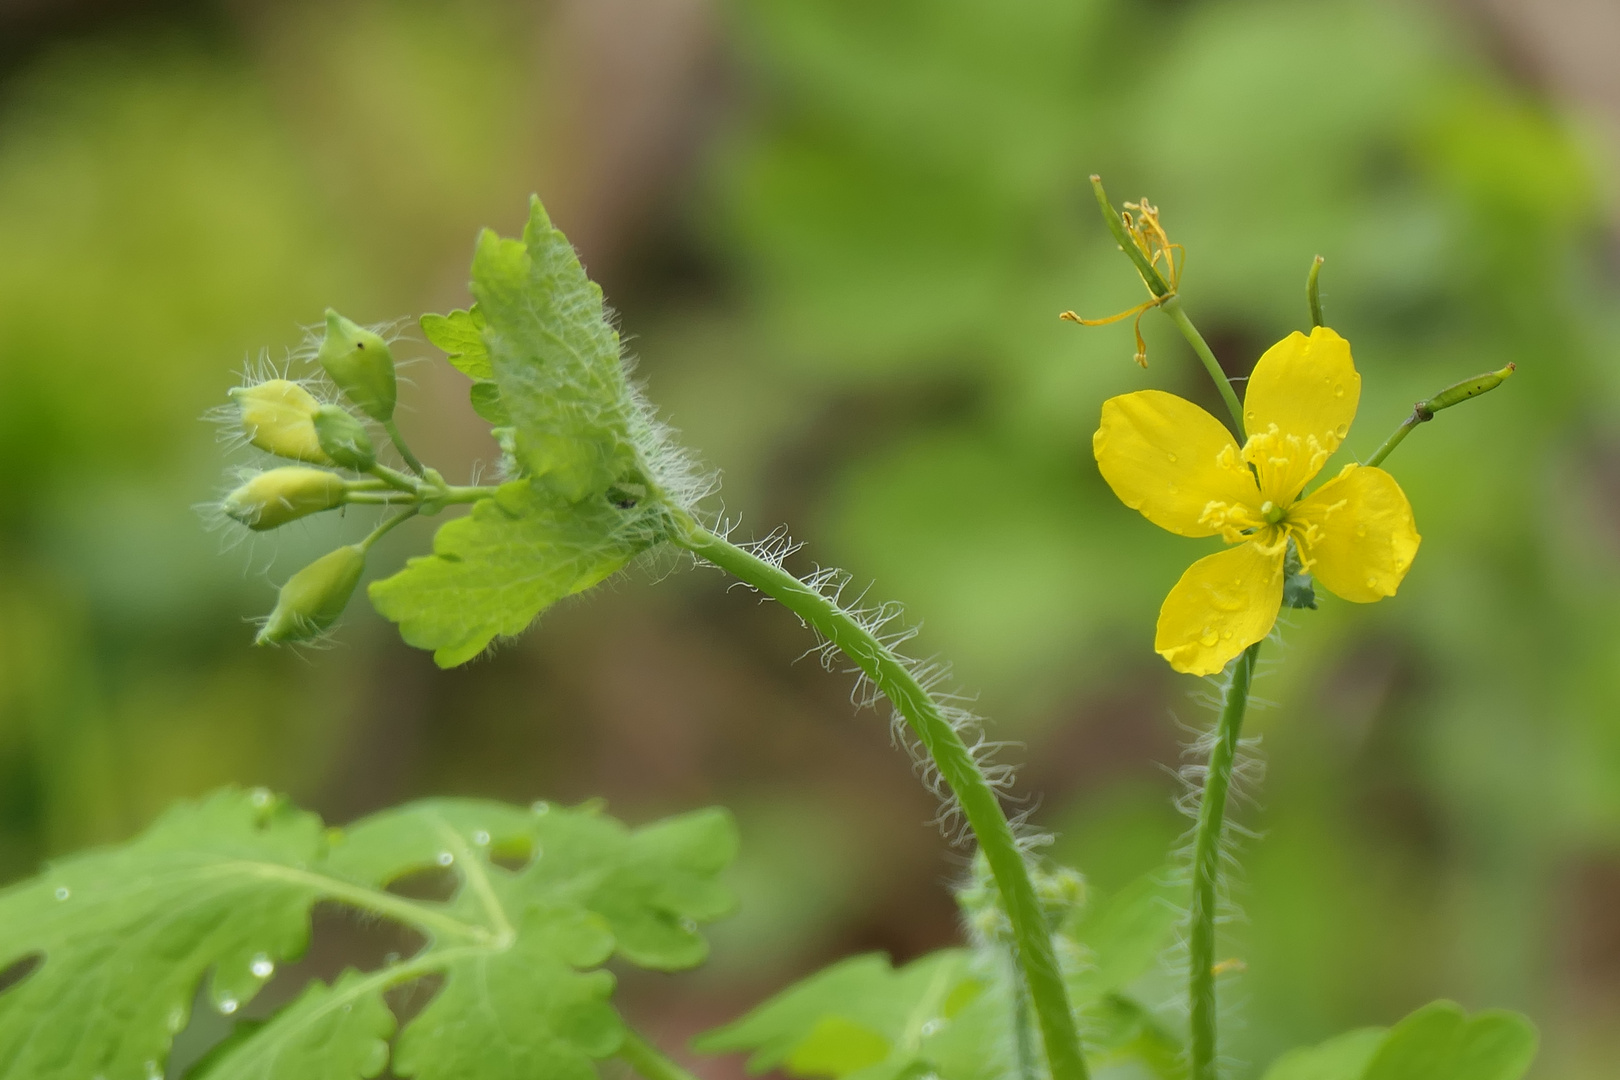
460,335
494,570
556,360
1440,1042
119,940
1343,1057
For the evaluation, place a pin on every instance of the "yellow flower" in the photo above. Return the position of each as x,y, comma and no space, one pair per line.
1171,460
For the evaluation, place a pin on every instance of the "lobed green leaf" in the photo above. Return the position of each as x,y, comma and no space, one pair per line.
1437,1042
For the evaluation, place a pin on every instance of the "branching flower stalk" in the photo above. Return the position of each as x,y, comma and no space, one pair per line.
1355,531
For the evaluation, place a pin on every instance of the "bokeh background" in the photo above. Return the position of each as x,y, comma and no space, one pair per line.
839,234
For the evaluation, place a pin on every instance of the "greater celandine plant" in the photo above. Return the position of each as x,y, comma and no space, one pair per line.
103,955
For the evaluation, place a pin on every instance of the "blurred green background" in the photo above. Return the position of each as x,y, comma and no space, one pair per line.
839,234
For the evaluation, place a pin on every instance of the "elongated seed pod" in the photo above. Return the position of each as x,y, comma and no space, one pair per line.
1458,393
278,416
313,598
361,364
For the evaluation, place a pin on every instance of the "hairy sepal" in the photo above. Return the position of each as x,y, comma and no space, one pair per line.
222,889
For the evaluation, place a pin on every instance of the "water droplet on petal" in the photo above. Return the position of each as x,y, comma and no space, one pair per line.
262,967
445,858
541,807
1342,430
1226,635
63,892
1209,637
228,1006
1372,583
1338,391
1172,457
481,838
1361,530
1249,416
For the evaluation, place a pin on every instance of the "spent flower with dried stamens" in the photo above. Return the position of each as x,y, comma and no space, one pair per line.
1176,464
1146,233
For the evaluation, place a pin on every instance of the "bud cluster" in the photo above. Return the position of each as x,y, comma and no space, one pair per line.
282,418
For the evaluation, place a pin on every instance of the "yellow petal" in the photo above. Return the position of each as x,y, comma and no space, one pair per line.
1169,459
1223,604
1359,537
1307,386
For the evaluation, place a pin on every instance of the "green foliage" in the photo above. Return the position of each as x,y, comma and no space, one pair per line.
954,1013
460,335
122,938
494,570
1437,1042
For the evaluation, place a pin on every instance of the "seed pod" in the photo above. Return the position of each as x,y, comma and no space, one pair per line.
359,362
314,597
1458,393
344,439
278,416
271,499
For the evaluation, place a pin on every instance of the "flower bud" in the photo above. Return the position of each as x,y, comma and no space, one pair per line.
359,362
278,416
271,499
344,439
314,597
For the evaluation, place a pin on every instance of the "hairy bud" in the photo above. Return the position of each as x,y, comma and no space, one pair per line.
359,361
278,416
271,499
344,439
313,598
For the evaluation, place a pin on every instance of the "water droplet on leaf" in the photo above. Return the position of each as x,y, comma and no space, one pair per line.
445,858
228,1006
481,838
262,967
63,892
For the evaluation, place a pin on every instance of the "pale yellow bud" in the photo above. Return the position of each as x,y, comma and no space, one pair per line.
278,416
271,499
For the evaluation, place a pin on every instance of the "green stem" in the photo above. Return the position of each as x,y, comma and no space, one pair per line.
648,1060
1172,307
399,444
1023,1034
387,523
1395,439
974,793
1313,292
394,478
1207,866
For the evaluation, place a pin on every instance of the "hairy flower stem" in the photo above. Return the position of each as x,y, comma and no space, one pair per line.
648,1061
1207,866
399,444
974,792
1172,307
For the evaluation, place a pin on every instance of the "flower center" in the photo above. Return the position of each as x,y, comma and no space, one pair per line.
1272,512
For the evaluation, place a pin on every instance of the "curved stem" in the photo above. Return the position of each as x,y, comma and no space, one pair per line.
1207,866
387,523
648,1060
1395,439
1172,308
394,478
399,444
974,793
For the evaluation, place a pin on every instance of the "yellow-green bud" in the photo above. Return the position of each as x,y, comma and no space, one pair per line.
344,439
359,362
278,416
271,499
314,597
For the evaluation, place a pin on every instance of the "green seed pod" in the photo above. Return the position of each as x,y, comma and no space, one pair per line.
271,499
361,365
314,597
1468,388
344,439
278,416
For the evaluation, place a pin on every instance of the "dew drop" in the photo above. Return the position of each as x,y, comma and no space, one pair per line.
348,1007
262,967
481,838
177,1018
1338,391
260,797
1361,530
689,926
929,1027
1372,583
1209,638
1249,416
1226,635
63,892
541,807
1342,430
445,858
1172,458
228,1006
